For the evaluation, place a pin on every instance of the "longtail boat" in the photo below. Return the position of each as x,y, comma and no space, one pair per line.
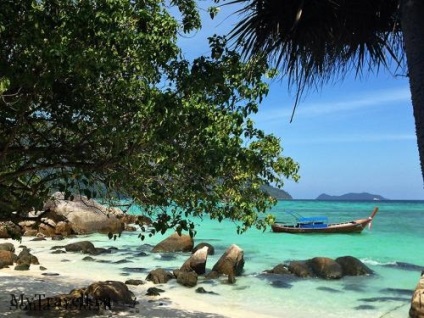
319,224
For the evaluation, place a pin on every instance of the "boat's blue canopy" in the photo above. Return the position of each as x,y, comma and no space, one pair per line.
314,219
308,220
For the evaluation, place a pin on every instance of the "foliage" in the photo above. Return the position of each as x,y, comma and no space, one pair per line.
96,99
312,42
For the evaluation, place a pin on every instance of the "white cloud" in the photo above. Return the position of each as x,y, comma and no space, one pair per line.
356,138
351,103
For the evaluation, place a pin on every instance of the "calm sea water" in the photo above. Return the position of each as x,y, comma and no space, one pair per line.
392,248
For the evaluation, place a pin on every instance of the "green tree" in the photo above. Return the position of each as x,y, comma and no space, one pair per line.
97,99
313,42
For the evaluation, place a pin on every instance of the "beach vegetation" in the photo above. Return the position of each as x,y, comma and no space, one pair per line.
96,98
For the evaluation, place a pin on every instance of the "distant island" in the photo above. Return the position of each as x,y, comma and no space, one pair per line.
277,193
364,196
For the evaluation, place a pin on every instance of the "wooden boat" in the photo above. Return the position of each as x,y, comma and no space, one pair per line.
320,225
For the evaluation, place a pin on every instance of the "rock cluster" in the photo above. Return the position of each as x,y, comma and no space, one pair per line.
230,264
22,261
62,218
98,296
323,267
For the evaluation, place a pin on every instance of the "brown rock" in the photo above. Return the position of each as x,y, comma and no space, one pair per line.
63,228
30,232
85,216
300,269
111,290
326,268
231,263
47,227
175,243
196,262
7,247
9,229
188,279
7,257
22,267
159,276
25,257
280,269
352,266
85,247
211,249
417,302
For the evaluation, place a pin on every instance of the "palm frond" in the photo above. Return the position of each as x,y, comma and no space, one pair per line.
314,41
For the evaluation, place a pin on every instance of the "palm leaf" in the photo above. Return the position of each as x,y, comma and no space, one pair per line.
314,41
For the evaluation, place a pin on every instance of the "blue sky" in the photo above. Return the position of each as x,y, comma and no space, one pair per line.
350,136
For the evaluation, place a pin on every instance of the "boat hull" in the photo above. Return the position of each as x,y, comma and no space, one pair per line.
356,226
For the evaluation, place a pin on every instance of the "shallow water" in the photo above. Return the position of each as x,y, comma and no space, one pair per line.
392,249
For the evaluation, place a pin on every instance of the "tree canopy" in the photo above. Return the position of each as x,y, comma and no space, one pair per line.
97,99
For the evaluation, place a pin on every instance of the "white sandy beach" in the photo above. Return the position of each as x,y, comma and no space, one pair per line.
176,301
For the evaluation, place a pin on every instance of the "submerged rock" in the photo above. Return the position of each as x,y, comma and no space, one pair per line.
300,269
352,266
325,267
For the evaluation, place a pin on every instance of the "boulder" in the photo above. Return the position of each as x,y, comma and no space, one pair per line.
47,227
211,249
85,247
300,269
134,282
25,257
280,269
63,228
111,290
325,267
30,232
196,262
29,228
7,247
159,276
188,279
231,263
85,215
352,266
22,267
175,243
7,258
153,291
9,229
417,302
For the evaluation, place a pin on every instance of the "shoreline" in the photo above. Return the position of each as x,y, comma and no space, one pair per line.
254,294
61,276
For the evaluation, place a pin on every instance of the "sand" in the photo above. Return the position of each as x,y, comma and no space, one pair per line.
65,272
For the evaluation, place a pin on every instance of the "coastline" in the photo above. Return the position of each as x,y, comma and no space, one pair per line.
389,249
64,272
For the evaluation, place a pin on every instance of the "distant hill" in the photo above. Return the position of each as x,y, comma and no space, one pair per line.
277,193
364,196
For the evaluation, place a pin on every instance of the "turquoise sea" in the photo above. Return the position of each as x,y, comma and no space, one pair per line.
392,248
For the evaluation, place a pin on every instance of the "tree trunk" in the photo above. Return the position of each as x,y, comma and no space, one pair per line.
412,23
